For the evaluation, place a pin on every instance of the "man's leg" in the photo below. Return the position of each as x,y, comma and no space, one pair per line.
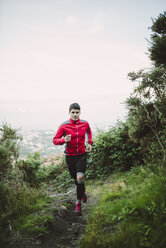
80,191
80,185
77,166
81,168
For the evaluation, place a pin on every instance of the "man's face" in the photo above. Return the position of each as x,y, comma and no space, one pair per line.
75,114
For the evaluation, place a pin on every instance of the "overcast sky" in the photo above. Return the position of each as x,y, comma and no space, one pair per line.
56,52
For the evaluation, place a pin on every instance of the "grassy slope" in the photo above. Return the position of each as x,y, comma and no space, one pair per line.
130,211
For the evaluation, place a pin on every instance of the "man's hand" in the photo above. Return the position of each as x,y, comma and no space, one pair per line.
89,148
68,138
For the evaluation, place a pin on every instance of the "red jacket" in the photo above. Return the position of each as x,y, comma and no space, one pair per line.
78,130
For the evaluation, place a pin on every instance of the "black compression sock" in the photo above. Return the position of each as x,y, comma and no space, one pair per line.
80,190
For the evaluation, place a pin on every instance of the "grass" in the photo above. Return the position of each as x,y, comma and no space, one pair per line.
34,225
36,222
24,210
130,211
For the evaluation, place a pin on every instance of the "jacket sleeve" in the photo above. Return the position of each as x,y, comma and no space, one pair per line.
89,132
58,139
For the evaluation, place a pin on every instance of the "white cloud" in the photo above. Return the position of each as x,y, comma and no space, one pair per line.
71,20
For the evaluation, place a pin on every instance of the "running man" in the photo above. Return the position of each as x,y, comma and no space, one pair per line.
73,132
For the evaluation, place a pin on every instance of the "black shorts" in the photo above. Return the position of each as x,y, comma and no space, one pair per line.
76,164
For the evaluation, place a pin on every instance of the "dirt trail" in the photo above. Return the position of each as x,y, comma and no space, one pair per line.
68,227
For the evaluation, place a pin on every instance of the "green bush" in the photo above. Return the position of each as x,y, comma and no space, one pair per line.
50,172
112,150
29,169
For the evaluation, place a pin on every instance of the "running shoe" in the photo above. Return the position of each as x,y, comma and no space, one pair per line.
84,198
78,208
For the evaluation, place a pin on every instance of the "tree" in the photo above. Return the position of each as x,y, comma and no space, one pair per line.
147,109
9,149
158,40
147,103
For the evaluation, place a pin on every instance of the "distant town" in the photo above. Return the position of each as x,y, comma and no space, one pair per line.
38,141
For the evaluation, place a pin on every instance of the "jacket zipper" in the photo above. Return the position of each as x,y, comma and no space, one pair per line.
77,136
